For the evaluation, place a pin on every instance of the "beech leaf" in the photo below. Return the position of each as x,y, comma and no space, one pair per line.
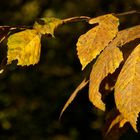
73,95
90,44
127,35
25,47
127,89
108,61
47,25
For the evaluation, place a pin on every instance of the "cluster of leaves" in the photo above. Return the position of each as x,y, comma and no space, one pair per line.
104,43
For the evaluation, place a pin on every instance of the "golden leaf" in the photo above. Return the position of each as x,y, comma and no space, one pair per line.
108,61
47,25
25,47
90,44
127,89
71,98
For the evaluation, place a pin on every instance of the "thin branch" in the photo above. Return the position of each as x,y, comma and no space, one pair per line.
125,36
128,13
15,27
76,19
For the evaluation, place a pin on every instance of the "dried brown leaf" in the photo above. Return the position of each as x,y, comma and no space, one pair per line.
90,44
73,95
127,89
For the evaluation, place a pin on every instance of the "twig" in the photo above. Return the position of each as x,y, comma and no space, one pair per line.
15,27
128,13
76,19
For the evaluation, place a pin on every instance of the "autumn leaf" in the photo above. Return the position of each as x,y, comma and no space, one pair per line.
73,95
107,62
127,89
25,47
90,44
47,25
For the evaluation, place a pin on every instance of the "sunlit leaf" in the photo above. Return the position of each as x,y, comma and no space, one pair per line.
127,89
108,61
25,47
127,35
73,95
90,44
47,25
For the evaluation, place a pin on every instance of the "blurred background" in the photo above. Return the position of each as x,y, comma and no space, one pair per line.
31,98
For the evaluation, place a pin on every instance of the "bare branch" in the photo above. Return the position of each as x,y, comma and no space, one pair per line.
128,13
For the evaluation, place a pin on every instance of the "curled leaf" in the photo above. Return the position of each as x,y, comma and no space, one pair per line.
90,44
47,25
25,47
127,89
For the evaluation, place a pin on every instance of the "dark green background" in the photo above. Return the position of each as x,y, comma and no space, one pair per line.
31,98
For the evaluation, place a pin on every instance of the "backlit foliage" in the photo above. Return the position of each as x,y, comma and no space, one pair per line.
104,42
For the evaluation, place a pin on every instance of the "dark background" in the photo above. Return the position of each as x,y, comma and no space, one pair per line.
31,98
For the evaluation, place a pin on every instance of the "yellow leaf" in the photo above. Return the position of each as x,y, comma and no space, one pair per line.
108,61
71,98
122,122
127,88
25,47
127,35
47,25
90,44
